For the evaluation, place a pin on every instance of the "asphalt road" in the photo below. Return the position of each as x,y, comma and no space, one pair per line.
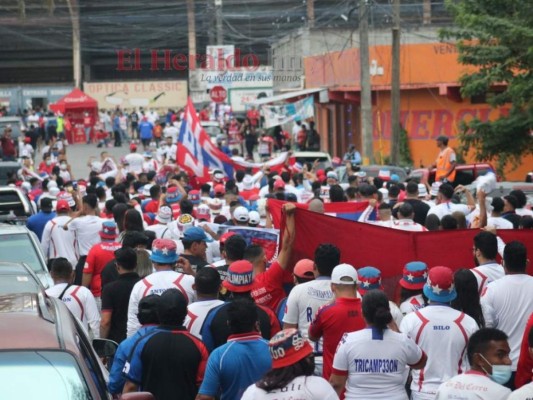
78,155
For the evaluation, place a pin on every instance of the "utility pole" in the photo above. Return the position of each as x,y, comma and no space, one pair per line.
74,12
310,13
191,29
218,18
366,90
395,84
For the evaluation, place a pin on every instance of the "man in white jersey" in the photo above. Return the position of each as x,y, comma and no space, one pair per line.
485,252
161,227
441,332
56,242
305,299
444,201
508,302
164,258
207,284
488,356
85,230
135,160
78,299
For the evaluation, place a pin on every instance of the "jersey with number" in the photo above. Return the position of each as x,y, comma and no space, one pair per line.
375,362
487,273
301,387
157,283
443,334
472,385
196,313
303,303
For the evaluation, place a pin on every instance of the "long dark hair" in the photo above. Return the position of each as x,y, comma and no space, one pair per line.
467,299
133,221
280,377
376,309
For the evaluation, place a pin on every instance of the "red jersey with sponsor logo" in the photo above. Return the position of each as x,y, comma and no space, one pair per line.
99,256
331,322
267,288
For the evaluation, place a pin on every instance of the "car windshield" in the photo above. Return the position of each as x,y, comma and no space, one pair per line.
323,162
19,248
18,283
53,375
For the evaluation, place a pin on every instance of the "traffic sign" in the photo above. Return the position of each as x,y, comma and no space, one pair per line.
218,94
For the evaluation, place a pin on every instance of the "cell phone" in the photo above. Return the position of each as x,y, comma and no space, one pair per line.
75,185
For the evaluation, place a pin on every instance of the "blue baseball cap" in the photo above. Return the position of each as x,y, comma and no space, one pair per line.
195,234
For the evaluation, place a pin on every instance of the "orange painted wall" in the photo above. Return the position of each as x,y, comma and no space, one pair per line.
426,115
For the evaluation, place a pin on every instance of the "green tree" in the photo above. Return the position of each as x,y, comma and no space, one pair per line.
496,38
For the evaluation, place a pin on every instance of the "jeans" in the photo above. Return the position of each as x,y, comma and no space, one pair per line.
87,134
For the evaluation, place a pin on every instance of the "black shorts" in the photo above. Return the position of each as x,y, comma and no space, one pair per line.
146,142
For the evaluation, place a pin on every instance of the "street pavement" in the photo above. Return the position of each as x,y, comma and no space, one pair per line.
78,155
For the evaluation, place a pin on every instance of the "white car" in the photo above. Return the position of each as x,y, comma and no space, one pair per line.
324,159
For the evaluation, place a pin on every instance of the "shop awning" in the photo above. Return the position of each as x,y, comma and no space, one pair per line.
285,96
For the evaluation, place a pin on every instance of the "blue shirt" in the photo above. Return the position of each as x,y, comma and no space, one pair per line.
116,123
37,222
116,378
145,129
234,366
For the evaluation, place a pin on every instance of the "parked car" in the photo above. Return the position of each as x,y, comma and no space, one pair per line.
373,171
466,173
213,129
16,124
302,157
15,207
20,245
18,278
43,341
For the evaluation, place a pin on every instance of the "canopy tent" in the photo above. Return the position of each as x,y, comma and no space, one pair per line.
81,111
74,100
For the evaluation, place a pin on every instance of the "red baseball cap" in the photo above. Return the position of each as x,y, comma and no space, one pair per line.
279,184
304,269
240,277
288,347
62,205
220,189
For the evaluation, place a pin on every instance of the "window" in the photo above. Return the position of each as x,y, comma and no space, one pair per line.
41,374
19,248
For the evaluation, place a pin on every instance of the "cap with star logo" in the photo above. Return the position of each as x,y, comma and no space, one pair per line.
415,275
439,286
164,251
368,278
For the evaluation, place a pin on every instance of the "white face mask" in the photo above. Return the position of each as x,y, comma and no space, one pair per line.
63,166
48,162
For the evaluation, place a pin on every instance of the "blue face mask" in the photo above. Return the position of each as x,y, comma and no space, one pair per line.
500,373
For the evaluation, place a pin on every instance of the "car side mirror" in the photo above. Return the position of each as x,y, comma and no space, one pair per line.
105,347
137,396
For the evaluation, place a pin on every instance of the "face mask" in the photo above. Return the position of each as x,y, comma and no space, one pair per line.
55,153
63,166
500,373
48,162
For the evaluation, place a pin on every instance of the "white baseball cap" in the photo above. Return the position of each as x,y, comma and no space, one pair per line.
344,274
241,214
248,183
255,218
422,190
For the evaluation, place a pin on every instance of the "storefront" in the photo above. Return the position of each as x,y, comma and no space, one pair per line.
19,98
431,104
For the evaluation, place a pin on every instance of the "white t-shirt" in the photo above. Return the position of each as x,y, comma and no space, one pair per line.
303,303
196,313
161,231
136,162
523,211
157,283
412,304
472,385
57,242
397,315
524,393
376,363
447,208
171,131
499,223
507,304
487,273
443,334
81,303
301,387
86,230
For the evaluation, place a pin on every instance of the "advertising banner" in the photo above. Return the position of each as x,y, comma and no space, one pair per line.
279,115
138,94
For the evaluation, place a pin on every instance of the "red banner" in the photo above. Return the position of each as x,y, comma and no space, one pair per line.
390,249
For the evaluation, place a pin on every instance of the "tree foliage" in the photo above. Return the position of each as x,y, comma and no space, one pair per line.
496,38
